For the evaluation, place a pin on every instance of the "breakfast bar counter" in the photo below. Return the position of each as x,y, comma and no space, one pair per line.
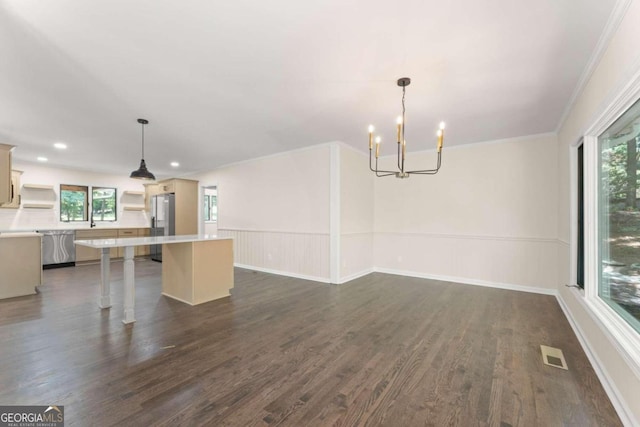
195,268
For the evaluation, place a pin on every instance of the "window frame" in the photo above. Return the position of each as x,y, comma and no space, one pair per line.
622,335
92,216
79,188
206,209
580,224
206,213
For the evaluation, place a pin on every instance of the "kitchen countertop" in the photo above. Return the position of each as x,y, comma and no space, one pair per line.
19,234
70,227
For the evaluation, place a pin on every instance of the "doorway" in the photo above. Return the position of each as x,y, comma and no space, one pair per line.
210,209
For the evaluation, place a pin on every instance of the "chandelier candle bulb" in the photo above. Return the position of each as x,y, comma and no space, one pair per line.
378,140
399,122
371,129
440,139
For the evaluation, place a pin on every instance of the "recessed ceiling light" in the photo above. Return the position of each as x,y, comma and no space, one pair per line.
175,164
42,159
60,145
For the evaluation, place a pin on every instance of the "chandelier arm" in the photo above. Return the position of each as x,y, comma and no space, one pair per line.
370,167
399,167
376,169
385,173
430,171
425,172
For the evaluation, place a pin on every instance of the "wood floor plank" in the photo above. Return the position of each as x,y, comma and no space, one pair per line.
379,350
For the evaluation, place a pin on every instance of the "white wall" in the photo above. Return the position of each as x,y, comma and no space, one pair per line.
211,228
277,210
33,219
488,217
356,214
619,62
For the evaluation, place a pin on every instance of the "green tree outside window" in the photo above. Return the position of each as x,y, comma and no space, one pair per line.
73,202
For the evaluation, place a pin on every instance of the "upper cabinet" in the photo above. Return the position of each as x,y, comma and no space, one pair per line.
186,202
14,203
6,190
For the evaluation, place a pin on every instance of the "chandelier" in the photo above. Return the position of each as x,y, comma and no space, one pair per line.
402,145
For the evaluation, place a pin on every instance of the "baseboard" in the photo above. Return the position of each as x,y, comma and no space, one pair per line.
177,299
283,273
617,399
466,281
355,276
462,280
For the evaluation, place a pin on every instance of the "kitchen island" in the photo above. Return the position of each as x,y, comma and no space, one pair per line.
196,268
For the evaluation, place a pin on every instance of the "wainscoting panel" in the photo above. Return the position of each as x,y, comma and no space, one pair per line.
530,263
564,263
303,255
356,254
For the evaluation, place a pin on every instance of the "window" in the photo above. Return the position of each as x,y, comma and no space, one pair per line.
618,229
211,205
103,202
73,202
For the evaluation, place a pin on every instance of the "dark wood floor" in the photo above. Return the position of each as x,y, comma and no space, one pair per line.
380,350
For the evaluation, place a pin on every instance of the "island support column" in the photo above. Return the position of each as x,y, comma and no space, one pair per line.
129,286
105,284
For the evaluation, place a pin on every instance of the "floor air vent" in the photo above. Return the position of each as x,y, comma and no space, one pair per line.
553,357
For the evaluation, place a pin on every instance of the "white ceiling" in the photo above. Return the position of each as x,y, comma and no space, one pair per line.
224,81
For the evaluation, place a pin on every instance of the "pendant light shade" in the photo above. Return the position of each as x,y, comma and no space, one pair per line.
142,172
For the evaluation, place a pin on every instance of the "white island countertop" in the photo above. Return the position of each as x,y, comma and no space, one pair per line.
153,240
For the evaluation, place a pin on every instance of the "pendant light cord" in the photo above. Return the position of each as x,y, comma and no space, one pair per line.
143,141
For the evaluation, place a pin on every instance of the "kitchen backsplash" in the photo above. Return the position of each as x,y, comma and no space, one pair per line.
45,219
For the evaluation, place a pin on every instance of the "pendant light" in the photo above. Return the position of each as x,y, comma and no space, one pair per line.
142,172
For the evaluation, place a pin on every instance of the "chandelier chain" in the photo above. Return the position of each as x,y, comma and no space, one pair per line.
404,123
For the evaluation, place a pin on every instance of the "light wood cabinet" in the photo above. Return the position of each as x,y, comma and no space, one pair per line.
85,254
5,174
150,190
20,264
14,192
186,199
143,250
197,272
168,186
186,192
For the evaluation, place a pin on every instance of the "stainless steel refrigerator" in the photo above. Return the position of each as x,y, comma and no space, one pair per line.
163,220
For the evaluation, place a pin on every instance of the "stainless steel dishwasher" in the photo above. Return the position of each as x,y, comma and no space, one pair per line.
58,249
